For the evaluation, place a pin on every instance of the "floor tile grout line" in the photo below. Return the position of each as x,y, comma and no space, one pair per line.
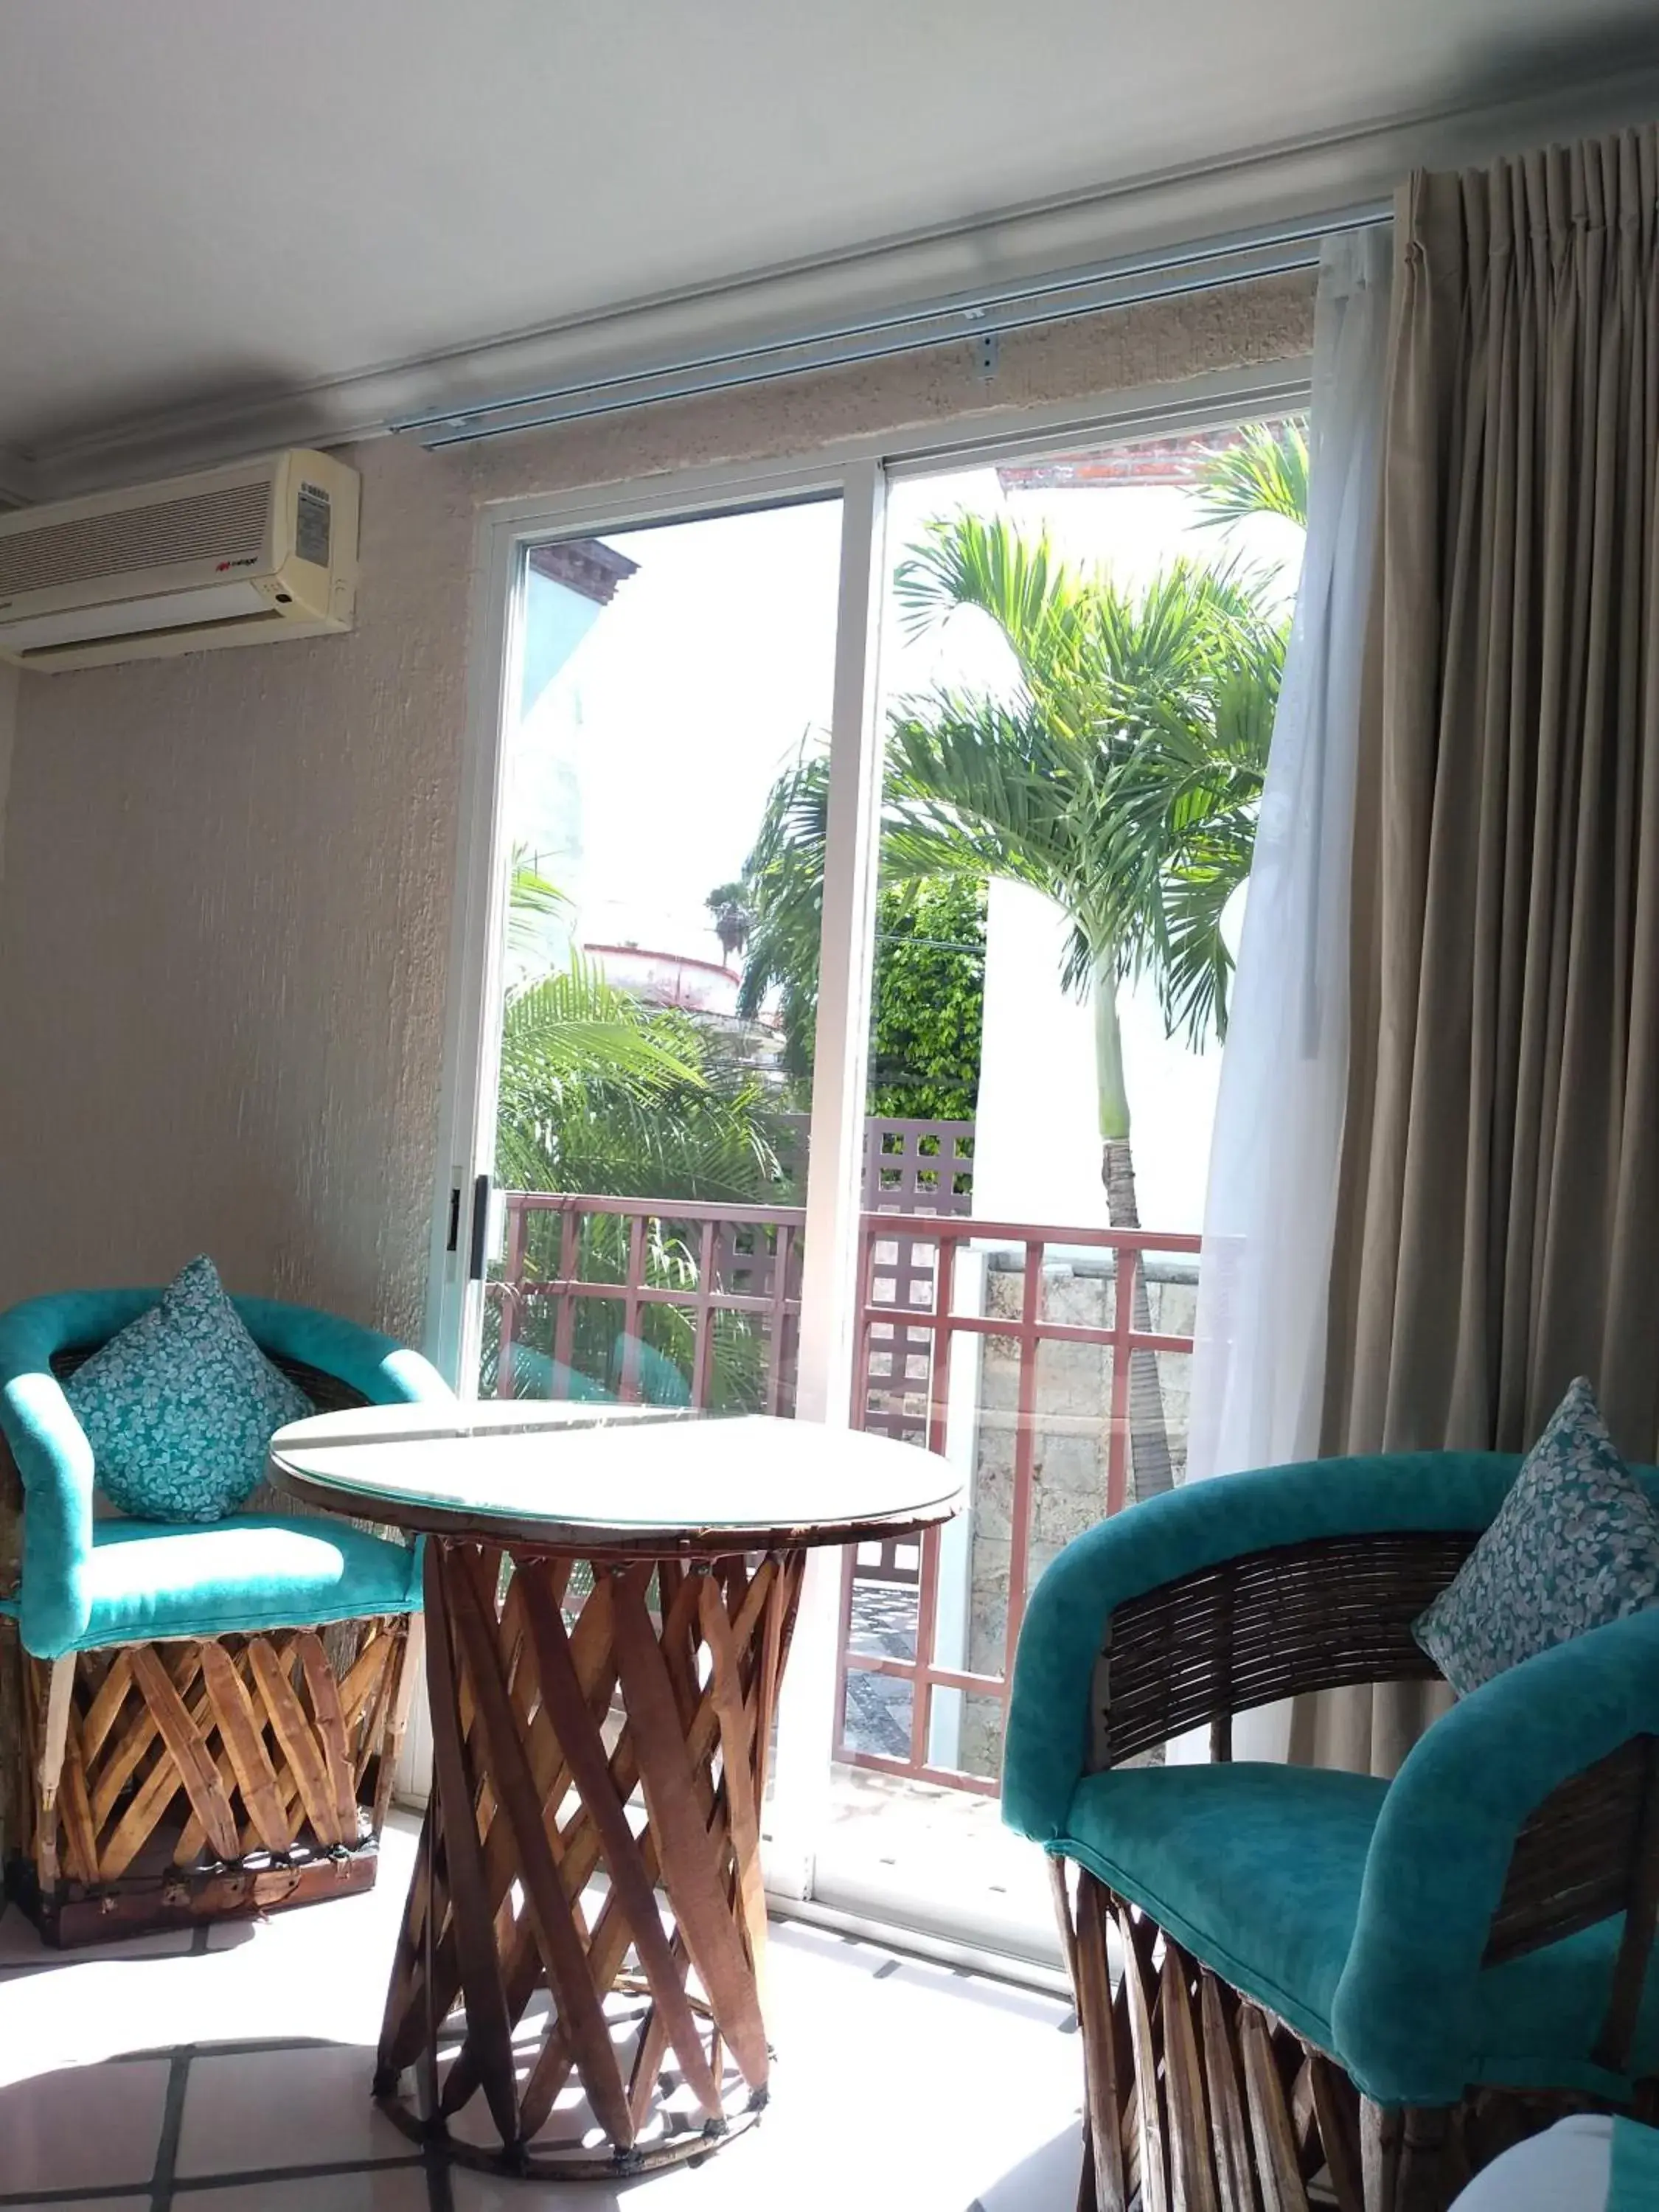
439,2185
250,2046
194,1946
172,2121
189,2184
11,2199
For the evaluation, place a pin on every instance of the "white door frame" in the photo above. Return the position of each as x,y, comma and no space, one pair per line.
835,1179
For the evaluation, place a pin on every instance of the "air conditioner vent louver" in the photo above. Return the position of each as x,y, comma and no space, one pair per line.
226,523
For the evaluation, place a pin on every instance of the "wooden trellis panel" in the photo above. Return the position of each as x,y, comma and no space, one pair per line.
628,1742
209,1752
901,1176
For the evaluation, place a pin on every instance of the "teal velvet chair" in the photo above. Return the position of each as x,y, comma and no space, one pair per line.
1382,1984
196,1720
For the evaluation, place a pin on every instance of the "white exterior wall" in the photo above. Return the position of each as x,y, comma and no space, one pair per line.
1036,1147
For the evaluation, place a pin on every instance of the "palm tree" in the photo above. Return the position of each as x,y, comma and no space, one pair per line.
731,919
1120,778
1119,775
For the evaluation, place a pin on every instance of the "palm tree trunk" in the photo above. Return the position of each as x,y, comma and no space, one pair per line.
1151,1470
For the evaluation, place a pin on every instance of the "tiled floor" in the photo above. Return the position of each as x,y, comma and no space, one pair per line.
230,2073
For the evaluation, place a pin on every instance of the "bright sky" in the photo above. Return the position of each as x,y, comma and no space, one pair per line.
644,764
679,708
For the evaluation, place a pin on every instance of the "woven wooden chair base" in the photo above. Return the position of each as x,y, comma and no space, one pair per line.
198,1779
1198,2100
534,1776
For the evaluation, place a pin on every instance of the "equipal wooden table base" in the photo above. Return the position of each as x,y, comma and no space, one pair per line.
578,1987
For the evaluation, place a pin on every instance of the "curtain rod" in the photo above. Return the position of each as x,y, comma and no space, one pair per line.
982,317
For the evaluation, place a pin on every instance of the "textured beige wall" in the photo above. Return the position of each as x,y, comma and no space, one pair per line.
223,927
1244,325
225,901
8,681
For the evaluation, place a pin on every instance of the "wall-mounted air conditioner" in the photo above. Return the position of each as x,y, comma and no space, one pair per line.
230,556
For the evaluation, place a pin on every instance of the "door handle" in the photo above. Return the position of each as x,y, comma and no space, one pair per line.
480,1241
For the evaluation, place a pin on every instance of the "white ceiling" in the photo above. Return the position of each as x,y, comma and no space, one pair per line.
203,202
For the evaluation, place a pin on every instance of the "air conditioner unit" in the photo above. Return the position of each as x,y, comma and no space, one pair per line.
230,556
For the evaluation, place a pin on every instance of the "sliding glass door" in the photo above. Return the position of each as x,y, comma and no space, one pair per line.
844,1041
1080,656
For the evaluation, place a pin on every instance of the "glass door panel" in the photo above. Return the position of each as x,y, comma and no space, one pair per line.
645,1239
1079,660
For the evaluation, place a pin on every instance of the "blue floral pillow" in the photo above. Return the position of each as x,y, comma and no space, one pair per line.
181,1407
1574,1545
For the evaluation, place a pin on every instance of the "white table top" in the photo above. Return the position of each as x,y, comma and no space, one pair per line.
612,1479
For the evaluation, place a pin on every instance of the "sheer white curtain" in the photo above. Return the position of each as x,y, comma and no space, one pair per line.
1258,1364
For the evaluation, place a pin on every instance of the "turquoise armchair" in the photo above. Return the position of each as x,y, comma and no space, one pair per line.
203,1719
1384,1981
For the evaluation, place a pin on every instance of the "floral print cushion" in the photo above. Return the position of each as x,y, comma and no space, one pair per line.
179,1407
1574,1545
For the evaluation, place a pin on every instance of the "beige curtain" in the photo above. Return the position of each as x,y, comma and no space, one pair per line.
1498,1219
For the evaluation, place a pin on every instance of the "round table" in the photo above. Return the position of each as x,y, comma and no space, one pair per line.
608,1601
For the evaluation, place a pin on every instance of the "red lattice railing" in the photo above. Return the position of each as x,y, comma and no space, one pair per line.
704,1263
913,1168
730,1260
925,1402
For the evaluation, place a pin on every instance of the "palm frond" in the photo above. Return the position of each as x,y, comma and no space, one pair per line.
965,561
531,899
1196,974
975,788
782,883
1264,473
574,1025
601,1094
